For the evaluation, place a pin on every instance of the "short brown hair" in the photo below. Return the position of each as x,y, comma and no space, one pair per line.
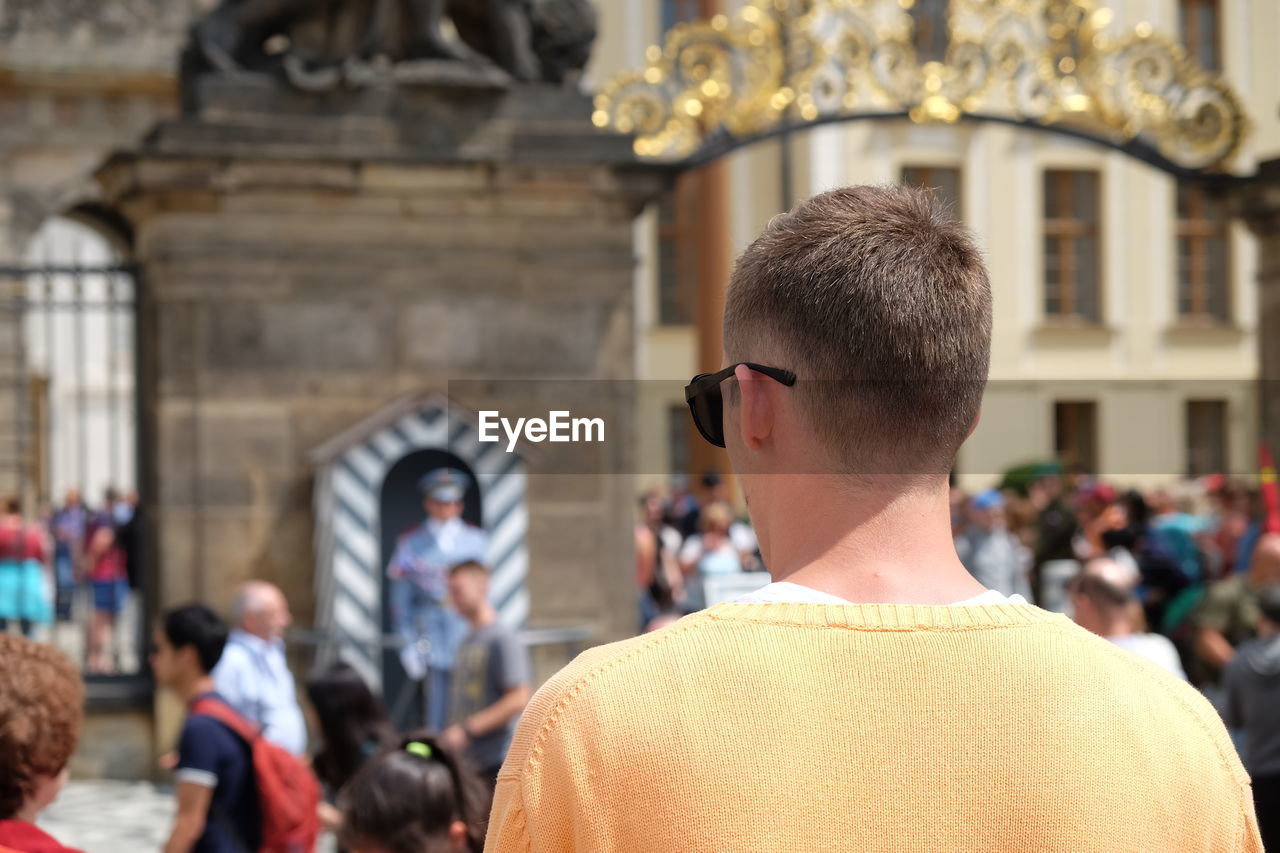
41,698
880,303
474,566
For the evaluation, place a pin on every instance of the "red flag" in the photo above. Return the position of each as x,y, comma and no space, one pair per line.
1270,491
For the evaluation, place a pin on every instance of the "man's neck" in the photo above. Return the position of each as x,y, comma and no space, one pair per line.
194,687
868,548
1119,628
485,615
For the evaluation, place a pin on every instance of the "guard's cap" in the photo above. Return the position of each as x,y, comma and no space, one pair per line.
445,485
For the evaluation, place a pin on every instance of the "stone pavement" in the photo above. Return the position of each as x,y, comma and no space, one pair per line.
104,817
116,817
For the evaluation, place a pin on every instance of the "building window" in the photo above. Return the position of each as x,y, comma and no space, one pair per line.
678,11
1199,21
1206,437
945,182
1075,435
929,29
678,426
1072,269
678,254
1204,267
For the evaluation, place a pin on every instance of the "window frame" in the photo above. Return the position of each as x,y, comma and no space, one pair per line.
683,11
938,32
1200,230
680,236
1067,230
1189,31
1093,450
926,171
1194,415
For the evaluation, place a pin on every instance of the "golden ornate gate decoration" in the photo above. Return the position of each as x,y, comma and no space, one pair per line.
781,64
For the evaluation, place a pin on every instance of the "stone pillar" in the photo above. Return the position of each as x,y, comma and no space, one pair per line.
304,260
1258,203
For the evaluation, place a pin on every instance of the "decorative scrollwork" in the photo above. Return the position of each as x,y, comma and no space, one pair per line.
1048,62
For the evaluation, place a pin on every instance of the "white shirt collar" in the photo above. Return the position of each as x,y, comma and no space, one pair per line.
786,592
253,642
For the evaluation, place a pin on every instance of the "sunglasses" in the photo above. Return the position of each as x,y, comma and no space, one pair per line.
706,402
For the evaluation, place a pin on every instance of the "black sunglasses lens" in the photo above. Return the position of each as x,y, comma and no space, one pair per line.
708,415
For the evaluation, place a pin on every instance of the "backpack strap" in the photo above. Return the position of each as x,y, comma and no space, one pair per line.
225,714
209,706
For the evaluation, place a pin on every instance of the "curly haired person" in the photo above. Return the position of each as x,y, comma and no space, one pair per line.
41,707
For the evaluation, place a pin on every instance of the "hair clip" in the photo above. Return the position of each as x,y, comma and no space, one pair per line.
418,748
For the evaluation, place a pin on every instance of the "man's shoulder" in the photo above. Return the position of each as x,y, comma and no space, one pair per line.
1227,589
410,534
599,681
1223,597
591,677
235,654
1169,707
496,634
209,734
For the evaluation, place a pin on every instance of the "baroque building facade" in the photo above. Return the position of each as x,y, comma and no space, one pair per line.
1125,338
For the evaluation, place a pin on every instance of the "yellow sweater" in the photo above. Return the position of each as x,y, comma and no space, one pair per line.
798,727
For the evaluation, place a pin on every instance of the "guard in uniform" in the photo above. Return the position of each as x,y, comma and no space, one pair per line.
419,578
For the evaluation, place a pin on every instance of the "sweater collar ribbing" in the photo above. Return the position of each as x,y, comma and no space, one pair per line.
888,617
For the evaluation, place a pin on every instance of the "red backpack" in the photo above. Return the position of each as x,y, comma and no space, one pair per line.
288,792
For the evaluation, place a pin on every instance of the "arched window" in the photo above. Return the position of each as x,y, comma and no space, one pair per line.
72,437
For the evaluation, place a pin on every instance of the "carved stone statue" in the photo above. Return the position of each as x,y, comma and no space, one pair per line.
324,44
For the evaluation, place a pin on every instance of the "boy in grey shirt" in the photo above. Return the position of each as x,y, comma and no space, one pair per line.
491,682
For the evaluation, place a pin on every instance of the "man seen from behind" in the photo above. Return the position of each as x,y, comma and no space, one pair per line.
875,696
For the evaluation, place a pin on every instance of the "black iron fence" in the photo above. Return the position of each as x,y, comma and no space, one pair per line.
68,446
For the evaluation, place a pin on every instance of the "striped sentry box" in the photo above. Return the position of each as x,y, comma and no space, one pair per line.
351,469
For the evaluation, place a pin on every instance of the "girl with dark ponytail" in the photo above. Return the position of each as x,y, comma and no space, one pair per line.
415,799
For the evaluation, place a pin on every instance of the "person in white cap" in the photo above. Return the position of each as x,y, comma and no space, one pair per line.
419,577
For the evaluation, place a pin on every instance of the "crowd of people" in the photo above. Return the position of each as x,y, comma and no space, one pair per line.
1187,577
1180,559
70,549
891,686
254,768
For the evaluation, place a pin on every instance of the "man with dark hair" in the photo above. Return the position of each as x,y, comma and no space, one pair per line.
875,696
490,678
217,797
1251,687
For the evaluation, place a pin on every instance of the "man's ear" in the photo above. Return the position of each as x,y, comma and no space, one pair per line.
755,409
189,656
976,419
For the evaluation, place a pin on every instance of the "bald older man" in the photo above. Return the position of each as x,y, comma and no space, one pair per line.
252,675
1230,612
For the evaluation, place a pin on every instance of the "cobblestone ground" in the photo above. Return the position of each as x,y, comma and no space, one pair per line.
104,817
116,817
